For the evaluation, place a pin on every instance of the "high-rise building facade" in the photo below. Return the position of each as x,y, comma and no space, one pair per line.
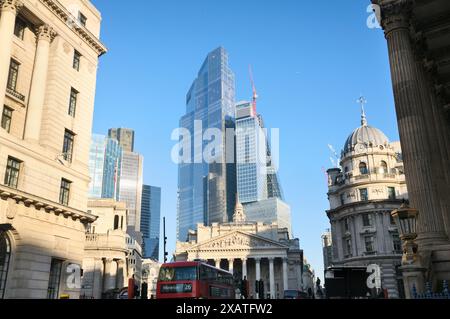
207,190
251,155
125,136
257,178
130,191
48,70
105,163
150,221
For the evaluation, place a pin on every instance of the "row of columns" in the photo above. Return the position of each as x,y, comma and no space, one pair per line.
423,134
45,35
258,271
113,273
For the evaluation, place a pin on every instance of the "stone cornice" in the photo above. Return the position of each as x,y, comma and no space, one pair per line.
42,203
64,15
365,206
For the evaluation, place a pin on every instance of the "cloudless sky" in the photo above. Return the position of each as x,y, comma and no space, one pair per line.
311,60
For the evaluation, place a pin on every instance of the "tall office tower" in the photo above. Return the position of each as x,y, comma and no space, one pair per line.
207,190
257,181
150,221
251,155
125,136
48,70
130,190
105,163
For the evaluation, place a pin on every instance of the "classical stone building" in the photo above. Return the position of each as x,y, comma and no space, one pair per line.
48,66
105,259
418,38
150,272
362,195
248,249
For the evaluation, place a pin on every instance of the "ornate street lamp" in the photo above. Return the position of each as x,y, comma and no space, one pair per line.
406,220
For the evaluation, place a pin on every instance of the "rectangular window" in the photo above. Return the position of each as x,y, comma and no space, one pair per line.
364,195
73,102
342,196
82,19
76,60
367,220
369,243
12,172
68,145
391,193
346,225
348,246
19,28
392,220
397,243
6,118
54,279
64,192
13,75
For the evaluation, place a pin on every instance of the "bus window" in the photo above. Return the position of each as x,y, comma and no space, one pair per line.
177,273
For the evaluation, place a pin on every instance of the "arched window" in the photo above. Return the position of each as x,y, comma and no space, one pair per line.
383,167
5,254
363,168
116,222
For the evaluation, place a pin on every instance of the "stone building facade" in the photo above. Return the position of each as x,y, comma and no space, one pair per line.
418,36
105,259
253,250
48,66
362,195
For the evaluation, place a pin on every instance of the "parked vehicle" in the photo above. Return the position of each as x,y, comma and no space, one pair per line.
295,294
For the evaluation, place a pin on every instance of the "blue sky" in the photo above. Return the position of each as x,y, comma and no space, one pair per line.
311,60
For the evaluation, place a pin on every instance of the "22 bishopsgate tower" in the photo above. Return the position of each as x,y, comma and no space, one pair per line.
207,189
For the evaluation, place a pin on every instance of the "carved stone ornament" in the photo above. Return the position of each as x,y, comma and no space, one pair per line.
237,240
45,32
11,5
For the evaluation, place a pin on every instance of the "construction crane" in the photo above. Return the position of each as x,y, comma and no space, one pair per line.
255,94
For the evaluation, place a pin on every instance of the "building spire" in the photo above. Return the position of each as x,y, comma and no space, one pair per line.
362,101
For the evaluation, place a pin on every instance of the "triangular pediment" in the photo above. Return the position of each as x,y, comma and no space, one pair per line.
238,240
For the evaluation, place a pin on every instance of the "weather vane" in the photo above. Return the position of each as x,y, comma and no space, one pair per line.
362,101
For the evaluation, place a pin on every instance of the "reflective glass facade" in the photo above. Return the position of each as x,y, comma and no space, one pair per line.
105,163
206,192
131,189
268,211
251,154
150,221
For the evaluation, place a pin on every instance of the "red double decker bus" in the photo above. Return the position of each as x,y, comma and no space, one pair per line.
195,279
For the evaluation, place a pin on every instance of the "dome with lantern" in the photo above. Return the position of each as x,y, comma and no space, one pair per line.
365,136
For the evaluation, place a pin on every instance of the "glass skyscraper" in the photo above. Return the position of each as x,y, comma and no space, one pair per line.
105,163
206,191
150,221
257,181
251,154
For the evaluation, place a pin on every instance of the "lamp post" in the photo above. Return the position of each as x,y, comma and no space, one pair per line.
412,270
406,220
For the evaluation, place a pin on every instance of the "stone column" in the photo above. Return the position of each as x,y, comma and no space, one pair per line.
217,262
244,268
120,278
45,36
258,272
108,276
271,278
285,274
231,265
8,11
417,153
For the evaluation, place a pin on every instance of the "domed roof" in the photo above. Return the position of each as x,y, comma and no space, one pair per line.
366,135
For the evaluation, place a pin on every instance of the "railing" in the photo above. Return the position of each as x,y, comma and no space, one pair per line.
429,294
106,241
17,95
